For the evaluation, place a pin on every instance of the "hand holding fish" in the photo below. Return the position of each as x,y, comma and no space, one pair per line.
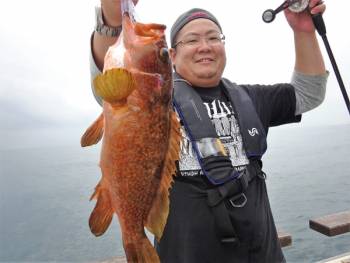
112,14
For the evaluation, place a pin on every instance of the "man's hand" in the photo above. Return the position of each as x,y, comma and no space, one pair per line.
112,16
111,10
302,22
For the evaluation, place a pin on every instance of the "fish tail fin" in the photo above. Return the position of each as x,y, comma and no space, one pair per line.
141,252
102,215
94,133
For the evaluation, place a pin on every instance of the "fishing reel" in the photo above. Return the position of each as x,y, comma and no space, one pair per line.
296,6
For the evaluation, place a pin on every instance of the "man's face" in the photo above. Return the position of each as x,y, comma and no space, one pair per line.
199,57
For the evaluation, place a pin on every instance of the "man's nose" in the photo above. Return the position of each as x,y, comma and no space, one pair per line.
204,43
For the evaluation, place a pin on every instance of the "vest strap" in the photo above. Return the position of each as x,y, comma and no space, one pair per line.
251,128
233,192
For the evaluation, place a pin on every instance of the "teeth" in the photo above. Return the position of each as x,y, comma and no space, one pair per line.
205,59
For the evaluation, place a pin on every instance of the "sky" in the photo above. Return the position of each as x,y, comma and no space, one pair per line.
44,49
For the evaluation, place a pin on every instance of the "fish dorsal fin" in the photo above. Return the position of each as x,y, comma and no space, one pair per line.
159,211
94,133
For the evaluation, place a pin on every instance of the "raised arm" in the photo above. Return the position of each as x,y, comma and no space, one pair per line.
112,20
308,56
106,33
310,75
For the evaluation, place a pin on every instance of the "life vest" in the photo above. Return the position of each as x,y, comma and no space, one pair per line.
213,159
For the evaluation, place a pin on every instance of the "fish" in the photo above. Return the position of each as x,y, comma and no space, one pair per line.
140,136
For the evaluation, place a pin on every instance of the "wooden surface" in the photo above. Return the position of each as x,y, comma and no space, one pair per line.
332,225
284,238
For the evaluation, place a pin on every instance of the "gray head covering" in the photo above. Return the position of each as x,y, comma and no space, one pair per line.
187,17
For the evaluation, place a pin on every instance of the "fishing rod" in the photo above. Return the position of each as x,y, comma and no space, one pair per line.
299,6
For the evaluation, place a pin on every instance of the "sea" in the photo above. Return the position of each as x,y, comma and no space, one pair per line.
46,180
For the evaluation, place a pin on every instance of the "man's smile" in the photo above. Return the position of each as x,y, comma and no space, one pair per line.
204,60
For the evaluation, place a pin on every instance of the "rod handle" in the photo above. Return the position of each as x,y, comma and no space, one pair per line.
319,24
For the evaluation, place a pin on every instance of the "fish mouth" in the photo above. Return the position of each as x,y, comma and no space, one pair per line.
143,32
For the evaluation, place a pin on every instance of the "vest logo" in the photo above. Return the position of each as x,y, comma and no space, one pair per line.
253,132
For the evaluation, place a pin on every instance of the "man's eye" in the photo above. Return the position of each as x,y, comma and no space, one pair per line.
192,41
213,38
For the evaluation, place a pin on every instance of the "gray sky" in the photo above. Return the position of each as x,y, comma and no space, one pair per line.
45,48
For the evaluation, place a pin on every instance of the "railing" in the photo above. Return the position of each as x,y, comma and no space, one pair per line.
332,225
284,238
329,225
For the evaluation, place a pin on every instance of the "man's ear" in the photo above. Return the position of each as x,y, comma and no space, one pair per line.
172,53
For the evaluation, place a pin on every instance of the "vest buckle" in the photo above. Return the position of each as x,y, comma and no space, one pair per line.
262,175
239,200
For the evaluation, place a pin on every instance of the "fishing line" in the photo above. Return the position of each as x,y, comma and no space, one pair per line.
128,7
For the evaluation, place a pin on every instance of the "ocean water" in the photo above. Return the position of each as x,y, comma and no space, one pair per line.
46,180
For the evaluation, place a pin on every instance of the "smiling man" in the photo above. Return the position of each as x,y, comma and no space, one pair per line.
219,207
201,55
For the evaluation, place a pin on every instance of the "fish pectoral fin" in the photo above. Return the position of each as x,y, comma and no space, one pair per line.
114,84
94,133
159,211
102,215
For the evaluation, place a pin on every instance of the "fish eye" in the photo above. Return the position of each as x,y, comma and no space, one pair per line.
164,54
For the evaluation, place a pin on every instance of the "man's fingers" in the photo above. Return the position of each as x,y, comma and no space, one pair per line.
314,3
319,9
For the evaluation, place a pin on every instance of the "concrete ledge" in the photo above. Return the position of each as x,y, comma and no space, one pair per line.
118,259
344,258
332,225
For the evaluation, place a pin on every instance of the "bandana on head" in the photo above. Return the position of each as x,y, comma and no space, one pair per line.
187,17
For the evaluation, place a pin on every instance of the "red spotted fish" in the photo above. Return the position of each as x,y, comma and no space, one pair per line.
140,138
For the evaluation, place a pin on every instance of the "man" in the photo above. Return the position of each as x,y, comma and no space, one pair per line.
219,208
